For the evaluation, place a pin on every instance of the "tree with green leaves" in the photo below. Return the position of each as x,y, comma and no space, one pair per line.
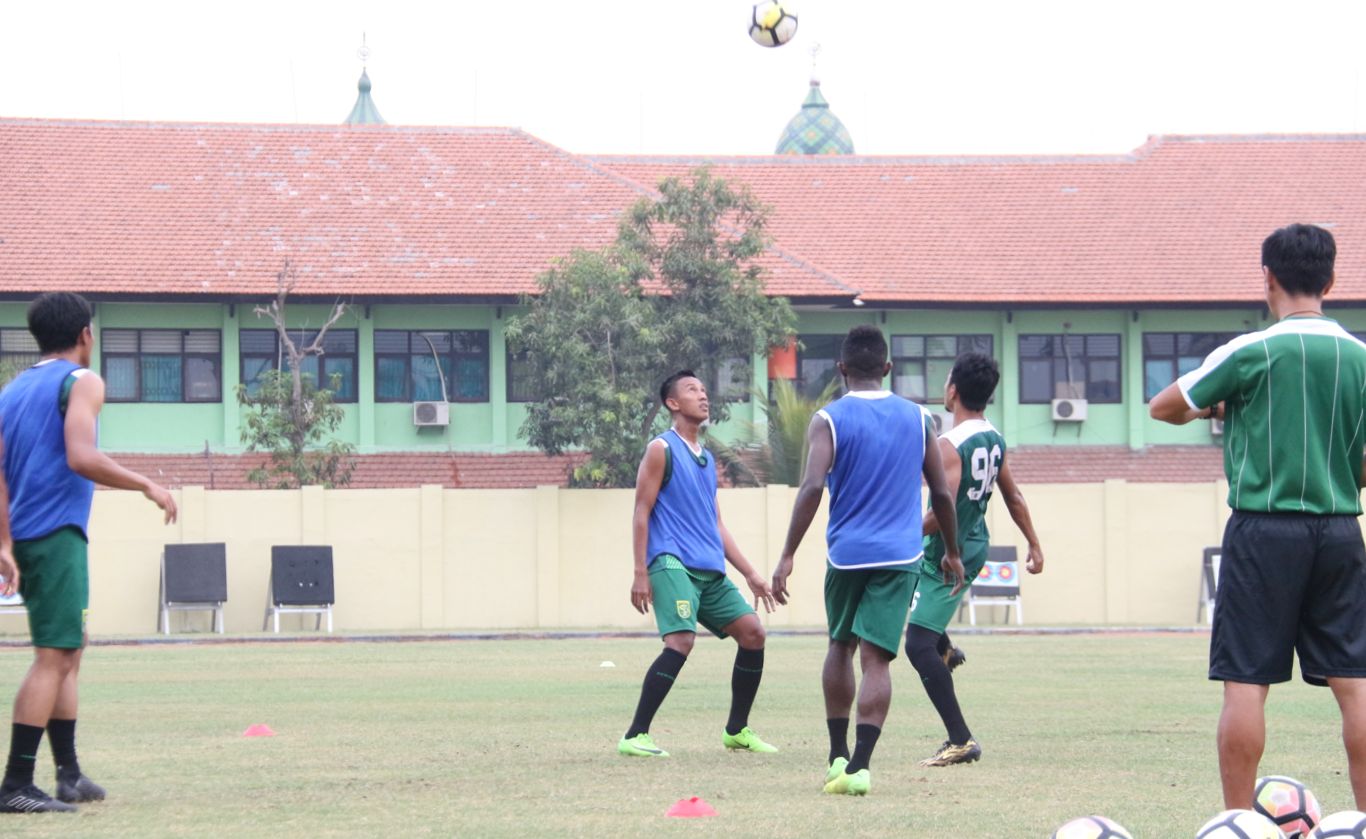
680,288
291,417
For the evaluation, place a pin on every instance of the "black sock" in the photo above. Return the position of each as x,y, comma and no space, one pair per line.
744,685
61,736
23,754
839,738
865,739
921,650
658,679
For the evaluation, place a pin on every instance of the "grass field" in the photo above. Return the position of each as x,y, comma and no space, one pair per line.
517,738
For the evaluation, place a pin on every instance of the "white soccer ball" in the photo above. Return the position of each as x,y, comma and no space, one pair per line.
771,24
1348,824
1091,827
1239,824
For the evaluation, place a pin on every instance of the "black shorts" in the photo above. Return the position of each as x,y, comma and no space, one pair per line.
1289,583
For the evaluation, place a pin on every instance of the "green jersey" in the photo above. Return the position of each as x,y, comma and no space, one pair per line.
981,448
1293,396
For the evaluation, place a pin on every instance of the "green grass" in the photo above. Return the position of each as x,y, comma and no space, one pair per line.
517,738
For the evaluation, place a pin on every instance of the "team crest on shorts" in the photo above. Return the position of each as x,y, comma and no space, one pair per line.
684,608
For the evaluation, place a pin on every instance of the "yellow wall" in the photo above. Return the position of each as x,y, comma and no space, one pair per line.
431,558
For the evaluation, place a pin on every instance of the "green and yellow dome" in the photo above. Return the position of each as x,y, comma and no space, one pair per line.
815,130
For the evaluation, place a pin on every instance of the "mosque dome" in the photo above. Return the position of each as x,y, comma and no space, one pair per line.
815,129
364,111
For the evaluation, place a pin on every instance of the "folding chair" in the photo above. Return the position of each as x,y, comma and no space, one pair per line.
1209,584
300,583
194,578
997,584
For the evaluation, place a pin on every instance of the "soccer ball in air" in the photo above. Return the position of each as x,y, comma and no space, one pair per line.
1091,827
1349,824
771,25
1288,803
1239,824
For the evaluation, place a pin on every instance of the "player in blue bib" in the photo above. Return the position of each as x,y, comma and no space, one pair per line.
48,416
871,447
681,548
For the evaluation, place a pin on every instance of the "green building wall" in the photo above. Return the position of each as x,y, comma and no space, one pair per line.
493,426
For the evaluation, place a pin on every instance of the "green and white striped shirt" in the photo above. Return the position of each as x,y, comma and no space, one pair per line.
1294,396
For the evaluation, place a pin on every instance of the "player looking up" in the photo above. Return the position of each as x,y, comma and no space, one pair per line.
681,548
974,456
1293,574
870,447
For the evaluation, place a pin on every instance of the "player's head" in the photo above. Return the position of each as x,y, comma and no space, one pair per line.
685,395
864,353
1300,258
60,321
972,381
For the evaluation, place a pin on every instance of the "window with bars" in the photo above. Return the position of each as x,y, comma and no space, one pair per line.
520,386
261,350
921,363
1070,367
816,359
18,352
162,365
1169,355
411,366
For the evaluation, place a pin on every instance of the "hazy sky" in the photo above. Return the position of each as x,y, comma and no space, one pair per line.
681,76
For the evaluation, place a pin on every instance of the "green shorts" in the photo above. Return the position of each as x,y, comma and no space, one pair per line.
870,603
54,581
684,597
931,605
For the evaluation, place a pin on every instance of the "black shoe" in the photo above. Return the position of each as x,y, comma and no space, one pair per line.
78,790
30,799
953,657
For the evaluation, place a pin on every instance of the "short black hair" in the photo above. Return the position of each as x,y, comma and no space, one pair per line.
1301,258
667,389
864,352
57,319
975,375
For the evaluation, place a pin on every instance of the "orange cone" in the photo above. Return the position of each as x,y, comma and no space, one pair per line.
260,729
690,808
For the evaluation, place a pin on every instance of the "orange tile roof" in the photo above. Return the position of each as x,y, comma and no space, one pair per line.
1029,465
114,208
1180,220
130,209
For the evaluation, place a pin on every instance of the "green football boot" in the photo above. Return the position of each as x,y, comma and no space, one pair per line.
836,768
641,745
845,784
746,740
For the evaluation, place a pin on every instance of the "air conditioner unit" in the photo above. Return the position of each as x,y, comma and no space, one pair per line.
431,413
942,421
1216,427
1069,410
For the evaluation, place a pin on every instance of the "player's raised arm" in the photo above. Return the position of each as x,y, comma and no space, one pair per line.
941,504
757,584
820,457
1019,513
9,569
953,475
649,480
85,458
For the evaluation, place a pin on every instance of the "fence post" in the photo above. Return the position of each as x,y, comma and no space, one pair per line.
431,555
1115,548
547,556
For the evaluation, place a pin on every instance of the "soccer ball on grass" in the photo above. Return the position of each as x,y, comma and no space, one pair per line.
1091,827
1239,824
1288,803
1349,824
